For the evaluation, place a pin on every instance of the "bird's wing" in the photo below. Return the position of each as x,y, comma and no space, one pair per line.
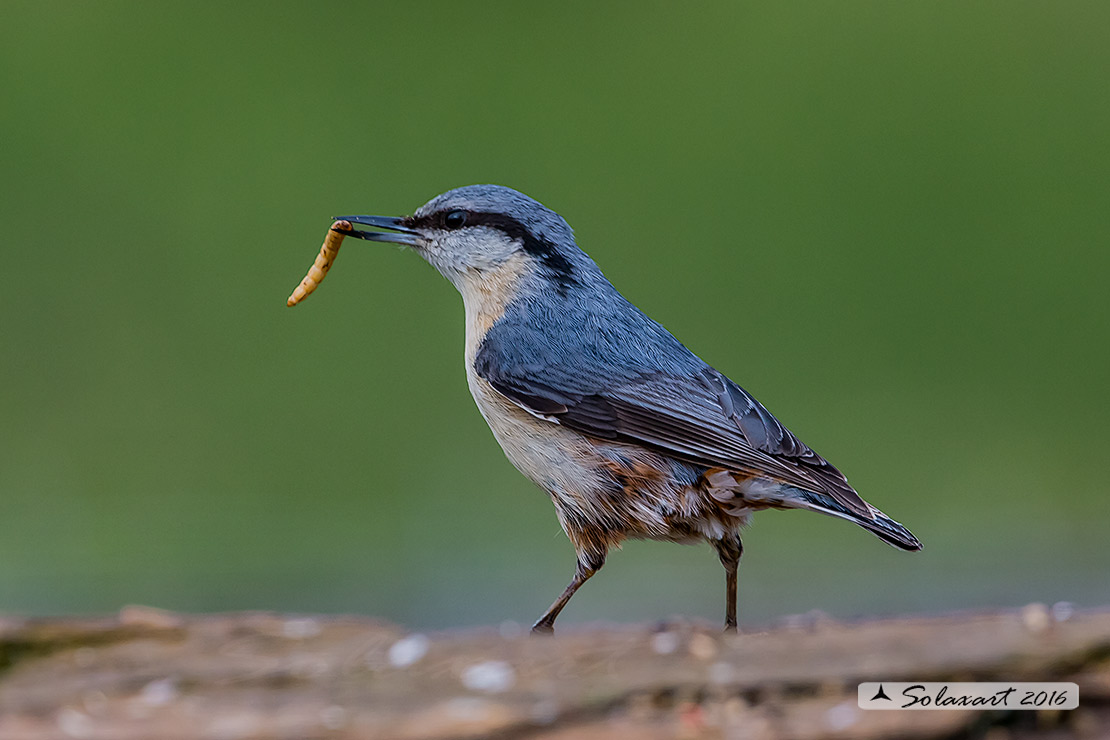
702,417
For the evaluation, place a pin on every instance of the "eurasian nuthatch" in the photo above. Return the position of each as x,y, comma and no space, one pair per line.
630,433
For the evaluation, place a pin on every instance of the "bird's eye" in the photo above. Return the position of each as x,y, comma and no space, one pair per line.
455,219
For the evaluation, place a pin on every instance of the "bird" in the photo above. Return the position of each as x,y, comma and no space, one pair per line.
630,433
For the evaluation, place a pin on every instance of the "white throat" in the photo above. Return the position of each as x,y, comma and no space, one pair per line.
486,294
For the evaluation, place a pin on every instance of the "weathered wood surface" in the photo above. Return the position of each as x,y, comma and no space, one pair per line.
152,674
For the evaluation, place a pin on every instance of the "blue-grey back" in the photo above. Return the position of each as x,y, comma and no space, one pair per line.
589,334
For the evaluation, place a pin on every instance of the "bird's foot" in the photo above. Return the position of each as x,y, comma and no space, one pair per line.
543,628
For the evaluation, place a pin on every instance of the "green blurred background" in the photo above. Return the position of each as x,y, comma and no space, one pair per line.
887,220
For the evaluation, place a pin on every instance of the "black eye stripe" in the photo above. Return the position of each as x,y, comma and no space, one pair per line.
558,266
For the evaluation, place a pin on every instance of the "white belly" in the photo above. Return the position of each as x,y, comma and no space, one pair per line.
572,469
551,456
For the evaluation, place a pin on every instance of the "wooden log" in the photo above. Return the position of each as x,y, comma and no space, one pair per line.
146,673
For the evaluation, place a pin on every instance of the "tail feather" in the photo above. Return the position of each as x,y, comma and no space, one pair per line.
890,532
736,491
880,525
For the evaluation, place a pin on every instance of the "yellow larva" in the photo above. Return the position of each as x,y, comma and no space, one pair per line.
323,261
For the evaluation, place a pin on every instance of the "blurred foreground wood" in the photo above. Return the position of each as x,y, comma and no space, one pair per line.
153,674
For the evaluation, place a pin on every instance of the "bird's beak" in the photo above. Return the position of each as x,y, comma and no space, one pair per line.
406,236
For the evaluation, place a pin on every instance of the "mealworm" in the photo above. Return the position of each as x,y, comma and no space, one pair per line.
319,269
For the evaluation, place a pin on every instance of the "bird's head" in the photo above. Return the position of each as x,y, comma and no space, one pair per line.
476,235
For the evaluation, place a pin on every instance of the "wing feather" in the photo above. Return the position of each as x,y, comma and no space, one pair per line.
599,366
704,418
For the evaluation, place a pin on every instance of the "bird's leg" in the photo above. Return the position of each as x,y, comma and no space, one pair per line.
729,551
588,564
